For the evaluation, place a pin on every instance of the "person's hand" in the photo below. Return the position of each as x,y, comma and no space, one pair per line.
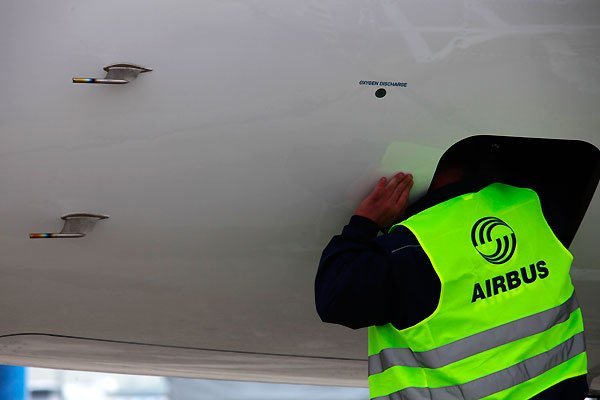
387,202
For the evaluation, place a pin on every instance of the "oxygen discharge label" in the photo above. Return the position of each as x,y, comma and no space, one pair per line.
383,83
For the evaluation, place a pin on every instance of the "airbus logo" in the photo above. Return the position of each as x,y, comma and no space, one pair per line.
494,240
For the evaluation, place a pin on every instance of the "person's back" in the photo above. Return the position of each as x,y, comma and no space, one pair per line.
488,296
507,314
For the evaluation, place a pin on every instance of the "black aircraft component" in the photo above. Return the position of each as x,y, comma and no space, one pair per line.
564,173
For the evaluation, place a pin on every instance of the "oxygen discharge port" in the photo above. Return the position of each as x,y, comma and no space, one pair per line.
379,93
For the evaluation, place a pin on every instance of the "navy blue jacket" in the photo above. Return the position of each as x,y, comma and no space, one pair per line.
365,279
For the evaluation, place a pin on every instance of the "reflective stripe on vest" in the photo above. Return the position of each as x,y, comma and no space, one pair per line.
507,325
474,344
504,379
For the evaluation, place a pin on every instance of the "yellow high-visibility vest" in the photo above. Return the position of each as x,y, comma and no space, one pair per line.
507,325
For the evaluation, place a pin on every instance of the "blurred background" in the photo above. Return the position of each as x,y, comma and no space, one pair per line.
19,383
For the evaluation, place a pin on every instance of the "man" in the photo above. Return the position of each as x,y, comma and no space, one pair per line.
422,344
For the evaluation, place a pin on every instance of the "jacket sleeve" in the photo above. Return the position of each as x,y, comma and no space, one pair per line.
352,281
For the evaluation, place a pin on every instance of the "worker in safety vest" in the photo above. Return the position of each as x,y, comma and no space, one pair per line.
469,298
